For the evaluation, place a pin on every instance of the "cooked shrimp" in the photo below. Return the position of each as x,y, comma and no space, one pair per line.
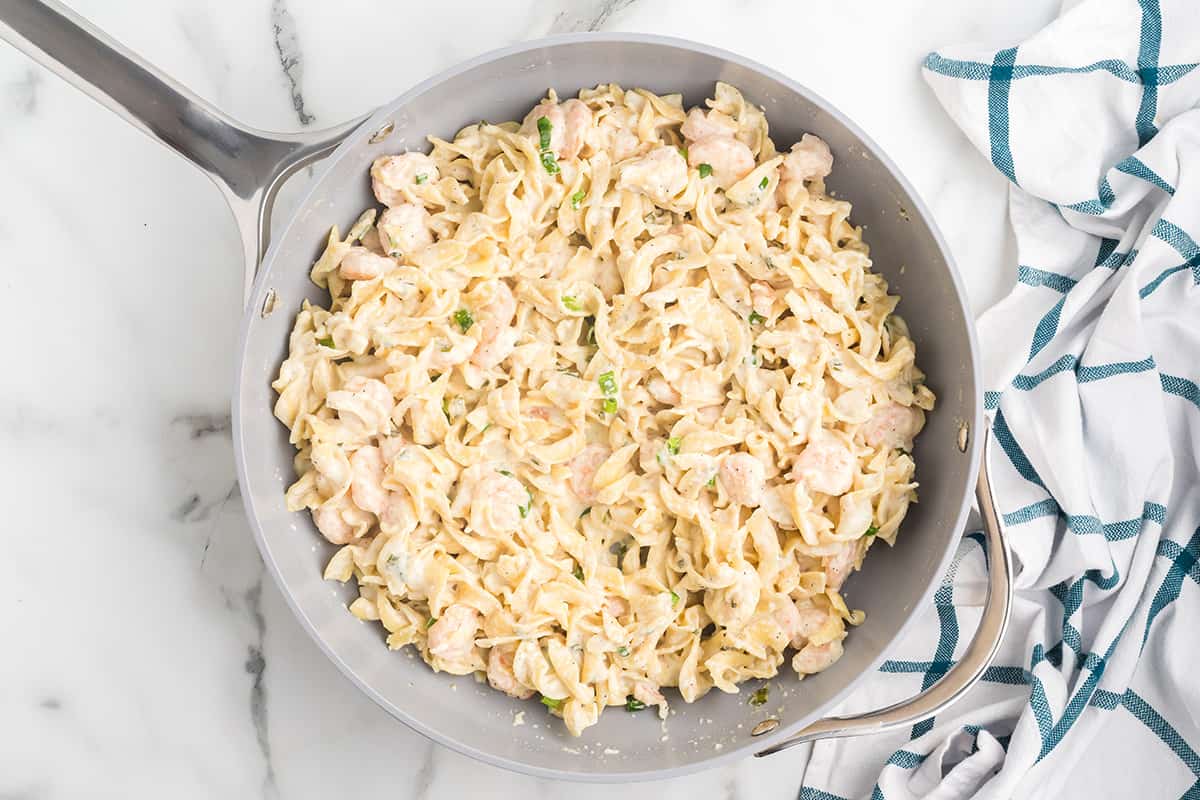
625,145
366,485
360,264
660,174
813,658
497,337
500,672
441,354
733,605
730,159
799,621
452,637
743,478
404,229
569,123
826,465
809,159
583,470
394,178
893,425
700,125
331,525
839,565
493,501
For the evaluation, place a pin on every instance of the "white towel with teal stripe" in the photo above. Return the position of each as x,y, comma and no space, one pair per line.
1091,366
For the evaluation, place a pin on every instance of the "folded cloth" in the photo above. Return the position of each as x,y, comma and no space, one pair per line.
1092,365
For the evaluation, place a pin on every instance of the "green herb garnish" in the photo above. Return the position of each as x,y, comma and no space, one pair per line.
633,704
608,384
464,319
673,445
446,408
871,531
712,481
763,183
505,473
524,510
549,163
577,198
571,303
578,573
585,512
757,318
544,127
759,698
429,623
683,151
421,178
609,406
622,651
550,702
674,599
705,170
326,342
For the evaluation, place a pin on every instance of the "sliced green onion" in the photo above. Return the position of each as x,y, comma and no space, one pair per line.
544,127
674,599
759,698
622,651
525,508
682,151
763,183
609,406
591,331
871,531
464,319
608,384
673,445
712,481
633,704
549,163
430,622
326,342
421,178
705,170
571,303
550,702
585,512
505,473
577,198
578,573
757,318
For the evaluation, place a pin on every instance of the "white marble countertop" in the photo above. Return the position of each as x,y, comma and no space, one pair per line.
145,654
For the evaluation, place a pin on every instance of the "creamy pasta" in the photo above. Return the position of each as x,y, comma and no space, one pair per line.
604,402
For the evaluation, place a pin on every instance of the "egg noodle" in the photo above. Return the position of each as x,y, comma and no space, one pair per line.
604,402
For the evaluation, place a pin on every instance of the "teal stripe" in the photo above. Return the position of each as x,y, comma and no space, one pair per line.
1153,285
1008,443
999,85
808,793
991,400
906,759
1176,237
978,71
1137,168
1046,328
1181,387
1148,51
1098,205
1102,371
1040,277
1086,524
1043,508
1183,565
1027,382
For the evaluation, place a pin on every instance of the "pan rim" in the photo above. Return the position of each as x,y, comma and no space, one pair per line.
729,754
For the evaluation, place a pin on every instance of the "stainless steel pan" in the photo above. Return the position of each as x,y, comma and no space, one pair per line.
249,165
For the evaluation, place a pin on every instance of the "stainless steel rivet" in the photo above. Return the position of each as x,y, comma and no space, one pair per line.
964,436
766,726
383,132
268,305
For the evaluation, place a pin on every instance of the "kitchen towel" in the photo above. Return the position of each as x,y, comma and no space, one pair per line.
1091,366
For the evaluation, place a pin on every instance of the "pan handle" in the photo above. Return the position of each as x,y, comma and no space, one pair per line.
955,683
248,165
